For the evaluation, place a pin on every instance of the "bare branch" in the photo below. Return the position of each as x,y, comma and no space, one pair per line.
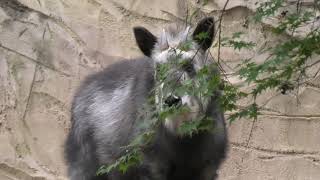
220,29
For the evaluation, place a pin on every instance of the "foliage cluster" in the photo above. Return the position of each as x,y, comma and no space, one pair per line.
284,70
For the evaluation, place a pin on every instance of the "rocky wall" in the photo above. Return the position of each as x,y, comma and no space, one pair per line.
48,46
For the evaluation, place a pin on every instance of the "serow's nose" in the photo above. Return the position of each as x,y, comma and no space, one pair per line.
172,101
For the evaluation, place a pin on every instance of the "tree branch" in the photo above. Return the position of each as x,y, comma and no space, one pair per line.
220,29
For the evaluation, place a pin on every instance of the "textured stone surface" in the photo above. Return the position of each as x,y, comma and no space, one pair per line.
286,134
48,46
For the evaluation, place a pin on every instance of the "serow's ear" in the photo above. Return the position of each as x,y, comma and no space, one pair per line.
204,33
145,40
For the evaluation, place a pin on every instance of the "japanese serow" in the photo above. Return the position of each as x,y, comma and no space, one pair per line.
106,106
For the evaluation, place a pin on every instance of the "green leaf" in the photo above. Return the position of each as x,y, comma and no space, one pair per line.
240,44
132,158
237,35
189,128
202,36
267,9
185,46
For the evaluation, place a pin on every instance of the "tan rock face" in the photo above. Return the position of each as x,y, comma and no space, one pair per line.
48,46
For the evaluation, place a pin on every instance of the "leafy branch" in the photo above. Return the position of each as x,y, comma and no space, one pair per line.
284,70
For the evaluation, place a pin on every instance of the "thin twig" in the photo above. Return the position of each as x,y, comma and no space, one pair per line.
317,62
316,74
220,29
186,20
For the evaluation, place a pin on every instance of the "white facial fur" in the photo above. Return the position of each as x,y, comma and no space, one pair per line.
168,47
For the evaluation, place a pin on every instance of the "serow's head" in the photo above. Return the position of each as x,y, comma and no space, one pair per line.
183,69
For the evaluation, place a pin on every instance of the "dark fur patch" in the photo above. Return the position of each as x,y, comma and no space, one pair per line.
145,40
205,26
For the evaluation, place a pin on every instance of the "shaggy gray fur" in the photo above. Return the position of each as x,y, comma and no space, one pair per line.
104,119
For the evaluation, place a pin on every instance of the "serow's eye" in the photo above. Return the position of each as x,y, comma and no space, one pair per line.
188,67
